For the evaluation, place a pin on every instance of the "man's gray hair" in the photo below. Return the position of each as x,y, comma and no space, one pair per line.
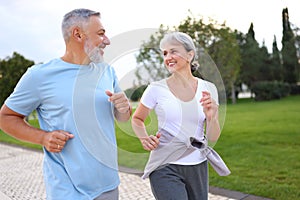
77,17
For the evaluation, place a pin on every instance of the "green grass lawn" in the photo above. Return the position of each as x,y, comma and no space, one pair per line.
260,143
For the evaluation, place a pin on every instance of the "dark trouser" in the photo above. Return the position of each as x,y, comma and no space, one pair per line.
110,195
180,182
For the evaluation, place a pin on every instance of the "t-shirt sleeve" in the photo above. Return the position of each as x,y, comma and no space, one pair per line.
148,98
116,85
212,89
25,97
214,92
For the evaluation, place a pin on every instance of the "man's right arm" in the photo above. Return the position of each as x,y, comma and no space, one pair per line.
15,125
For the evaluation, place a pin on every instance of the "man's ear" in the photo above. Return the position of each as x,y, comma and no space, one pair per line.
77,34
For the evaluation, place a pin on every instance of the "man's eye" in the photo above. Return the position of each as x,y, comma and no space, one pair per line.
101,33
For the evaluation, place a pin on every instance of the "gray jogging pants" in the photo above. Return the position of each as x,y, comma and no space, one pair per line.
180,182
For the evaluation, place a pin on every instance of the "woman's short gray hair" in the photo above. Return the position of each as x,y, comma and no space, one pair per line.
186,41
77,17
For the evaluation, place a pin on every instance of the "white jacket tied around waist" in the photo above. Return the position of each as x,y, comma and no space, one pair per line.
171,148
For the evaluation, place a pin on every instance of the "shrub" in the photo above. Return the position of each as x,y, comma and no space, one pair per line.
134,94
295,89
268,90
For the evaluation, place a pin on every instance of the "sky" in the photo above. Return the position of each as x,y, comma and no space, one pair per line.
32,27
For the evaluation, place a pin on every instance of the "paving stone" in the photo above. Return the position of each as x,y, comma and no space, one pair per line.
21,178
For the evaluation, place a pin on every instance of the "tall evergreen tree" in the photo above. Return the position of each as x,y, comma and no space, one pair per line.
289,52
296,31
277,71
251,61
265,65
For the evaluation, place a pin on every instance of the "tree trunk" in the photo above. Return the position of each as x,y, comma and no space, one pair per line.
233,97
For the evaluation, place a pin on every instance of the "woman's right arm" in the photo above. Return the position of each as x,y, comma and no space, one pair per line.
138,125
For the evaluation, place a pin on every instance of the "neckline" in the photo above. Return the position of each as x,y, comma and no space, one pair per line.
70,64
178,99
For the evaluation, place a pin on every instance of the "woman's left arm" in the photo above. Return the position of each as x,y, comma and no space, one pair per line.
210,109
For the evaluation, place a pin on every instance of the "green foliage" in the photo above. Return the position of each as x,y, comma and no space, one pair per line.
217,52
289,52
276,65
251,60
11,70
212,37
238,56
150,61
295,89
134,94
268,90
225,53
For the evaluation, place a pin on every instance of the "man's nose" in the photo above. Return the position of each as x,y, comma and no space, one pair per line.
106,41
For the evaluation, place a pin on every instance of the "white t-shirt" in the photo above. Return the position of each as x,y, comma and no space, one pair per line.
177,116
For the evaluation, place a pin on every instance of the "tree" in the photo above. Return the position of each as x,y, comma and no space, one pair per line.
265,68
150,61
277,70
251,61
11,70
205,36
296,31
226,53
289,52
218,56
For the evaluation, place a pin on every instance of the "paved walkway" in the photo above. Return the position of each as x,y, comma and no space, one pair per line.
21,178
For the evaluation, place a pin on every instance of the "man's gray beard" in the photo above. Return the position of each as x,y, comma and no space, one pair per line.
95,56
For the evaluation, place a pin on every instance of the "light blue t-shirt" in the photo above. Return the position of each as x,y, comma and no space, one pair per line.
72,98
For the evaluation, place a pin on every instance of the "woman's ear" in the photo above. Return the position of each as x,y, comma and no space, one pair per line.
191,55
